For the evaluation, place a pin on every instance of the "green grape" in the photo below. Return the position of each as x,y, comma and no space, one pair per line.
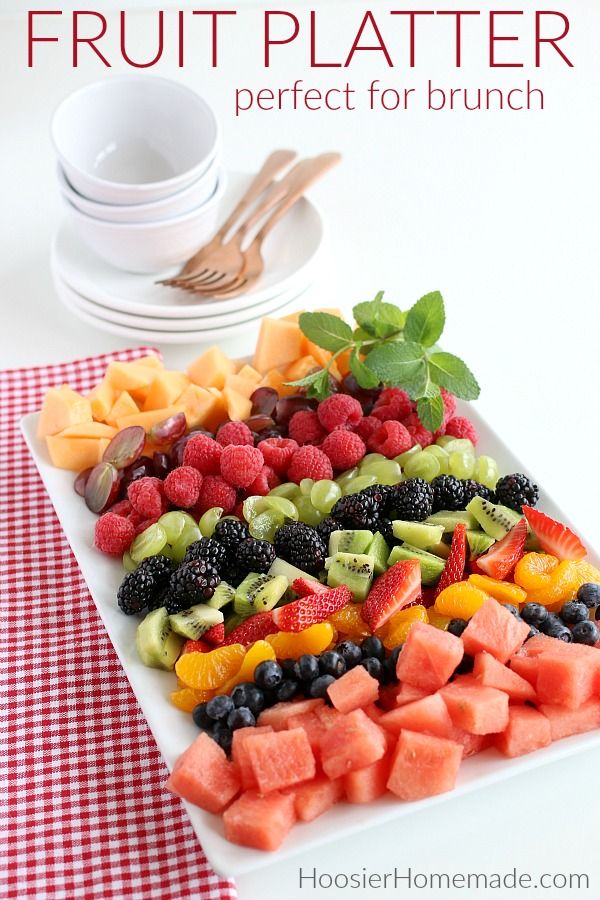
371,458
358,484
174,522
306,486
324,495
308,514
209,520
128,563
454,445
189,534
282,506
486,471
265,524
386,471
253,506
149,543
287,490
346,476
462,464
404,457
442,457
422,465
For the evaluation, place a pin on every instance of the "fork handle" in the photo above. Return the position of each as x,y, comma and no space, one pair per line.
272,166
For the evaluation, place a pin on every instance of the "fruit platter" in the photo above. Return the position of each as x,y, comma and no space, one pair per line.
337,595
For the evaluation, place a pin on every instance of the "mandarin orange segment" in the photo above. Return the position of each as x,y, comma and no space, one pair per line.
350,623
565,581
315,640
503,591
186,699
396,629
258,652
208,671
438,620
460,600
533,571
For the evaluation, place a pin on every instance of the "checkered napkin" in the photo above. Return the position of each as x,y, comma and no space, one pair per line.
83,813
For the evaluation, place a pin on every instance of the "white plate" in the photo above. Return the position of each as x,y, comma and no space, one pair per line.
174,730
288,253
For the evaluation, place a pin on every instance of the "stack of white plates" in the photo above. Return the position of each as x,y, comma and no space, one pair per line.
135,306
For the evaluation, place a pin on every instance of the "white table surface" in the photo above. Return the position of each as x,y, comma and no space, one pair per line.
497,210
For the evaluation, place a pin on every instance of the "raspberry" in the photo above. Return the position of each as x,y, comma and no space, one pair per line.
418,431
304,428
449,404
113,534
122,508
203,453
344,448
241,465
264,482
146,497
215,492
278,452
391,439
182,486
460,427
339,409
142,524
235,433
309,462
392,403
366,427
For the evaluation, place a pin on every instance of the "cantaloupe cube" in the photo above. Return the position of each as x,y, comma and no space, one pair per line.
353,742
124,405
343,362
316,797
75,454
474,708
150,362
211,368
62,407
147,419
249,374
204,776
167,386
102,399
301,367
202,408
279,343
239,385
280,759
128,376
238,406
88,430
367,784
259,821
527,730
423,766
427,716
274,379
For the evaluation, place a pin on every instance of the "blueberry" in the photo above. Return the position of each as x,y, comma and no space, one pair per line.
288,667
200,717
287,689
222,735
372,647
374,667
534,614
318,687
586,633
393,657
457,626
219,707
554,627
512,610
465,665
240,718
350,652
268,674
248,695
532,632
332,663
573,612
307,667
590,595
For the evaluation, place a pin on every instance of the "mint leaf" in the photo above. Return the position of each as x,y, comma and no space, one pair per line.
307,380
397,363
366,379
453,374
430,410
379,319
359,334
327,331
316,384
425,320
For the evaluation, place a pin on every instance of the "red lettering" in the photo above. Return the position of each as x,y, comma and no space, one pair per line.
494,37
539,40
269,41
459,13
159,52
313,46
214,13
412,14
87,40
368,18
30,36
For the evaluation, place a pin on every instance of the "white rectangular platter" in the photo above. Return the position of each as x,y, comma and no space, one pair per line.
174,730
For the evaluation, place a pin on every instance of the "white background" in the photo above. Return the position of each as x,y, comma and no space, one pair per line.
497,210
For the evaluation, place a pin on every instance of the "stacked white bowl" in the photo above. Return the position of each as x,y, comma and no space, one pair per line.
139,170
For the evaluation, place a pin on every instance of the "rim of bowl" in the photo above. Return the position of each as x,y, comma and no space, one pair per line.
147,185
164,223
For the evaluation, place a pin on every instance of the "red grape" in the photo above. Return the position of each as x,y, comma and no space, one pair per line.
264,400
258,423
102,487
161,465
287,406
126,446
81,481
168,430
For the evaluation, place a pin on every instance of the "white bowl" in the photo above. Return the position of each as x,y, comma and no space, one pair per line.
134,139
150,247
187,200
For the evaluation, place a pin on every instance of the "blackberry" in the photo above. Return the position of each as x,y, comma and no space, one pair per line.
253,555
383,494
448,493
357,511
161,568
193,582
516,491
385,528
302,546
472,488
413,500
208,549
136,591
326,528
230,533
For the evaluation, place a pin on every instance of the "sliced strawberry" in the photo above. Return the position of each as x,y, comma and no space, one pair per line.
195,647
255,628
306,586
455,564
554,537
215,635
395,589
309,610
502,557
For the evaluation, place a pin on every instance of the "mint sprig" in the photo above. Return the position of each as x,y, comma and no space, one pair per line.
393,348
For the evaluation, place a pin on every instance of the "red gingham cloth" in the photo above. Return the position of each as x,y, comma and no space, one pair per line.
84,812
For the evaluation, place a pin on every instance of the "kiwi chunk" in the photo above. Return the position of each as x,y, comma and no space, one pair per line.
355,570
259,593
349,541
479,542
158,646
451,519
194,622
281,567
380,551
418,534
431,566
223,595
495,520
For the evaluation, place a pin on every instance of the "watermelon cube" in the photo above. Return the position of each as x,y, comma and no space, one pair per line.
429,657
258,820
316,797
427,716
311,724
204,776
374,712
474,708
239,754
564,679
352,742
491,673
494,629
353,690
471,743
369,783
423,765
277,716
280,759
564,722
407,693
526,667
527,730
328,717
